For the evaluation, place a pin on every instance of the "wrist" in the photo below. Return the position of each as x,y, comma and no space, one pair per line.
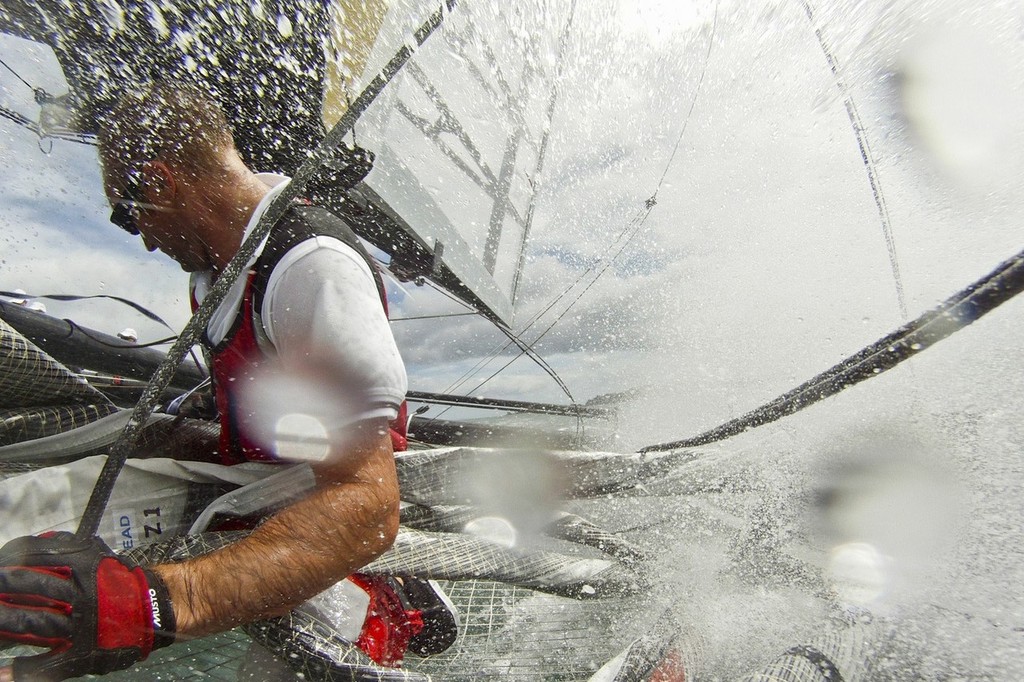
161,610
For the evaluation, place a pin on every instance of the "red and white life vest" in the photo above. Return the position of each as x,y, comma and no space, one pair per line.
237,358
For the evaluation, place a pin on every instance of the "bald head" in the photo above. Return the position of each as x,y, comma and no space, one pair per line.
175,123
173,175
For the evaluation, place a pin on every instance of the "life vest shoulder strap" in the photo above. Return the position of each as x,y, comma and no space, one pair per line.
299,223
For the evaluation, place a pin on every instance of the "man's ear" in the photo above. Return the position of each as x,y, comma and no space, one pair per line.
158,183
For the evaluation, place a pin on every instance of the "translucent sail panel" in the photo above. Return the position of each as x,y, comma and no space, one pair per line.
459,138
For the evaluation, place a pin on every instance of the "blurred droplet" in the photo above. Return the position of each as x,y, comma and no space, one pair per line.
496,529
298,414
891,509
524,488
301,437
858,572
959,94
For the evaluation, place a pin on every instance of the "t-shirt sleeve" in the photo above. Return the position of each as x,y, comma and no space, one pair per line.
322,308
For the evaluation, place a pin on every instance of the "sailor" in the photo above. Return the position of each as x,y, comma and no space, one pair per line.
300,347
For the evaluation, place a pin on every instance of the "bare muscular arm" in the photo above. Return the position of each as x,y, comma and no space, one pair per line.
346,522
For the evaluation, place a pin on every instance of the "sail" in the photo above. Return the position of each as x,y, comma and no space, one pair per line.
834,180
458,137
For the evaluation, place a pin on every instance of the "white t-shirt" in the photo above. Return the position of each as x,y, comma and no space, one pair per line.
322,296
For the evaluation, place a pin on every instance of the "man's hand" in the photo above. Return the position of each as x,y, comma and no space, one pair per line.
94,611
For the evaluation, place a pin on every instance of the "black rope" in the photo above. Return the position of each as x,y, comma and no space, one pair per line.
131,304
952,315
823,663
74,297
190,335
126,345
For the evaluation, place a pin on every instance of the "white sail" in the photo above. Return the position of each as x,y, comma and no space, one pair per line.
460,136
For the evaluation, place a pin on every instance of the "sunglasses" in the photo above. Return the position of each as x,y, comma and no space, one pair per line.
127,208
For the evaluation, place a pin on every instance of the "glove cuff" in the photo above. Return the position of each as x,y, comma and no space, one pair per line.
164,625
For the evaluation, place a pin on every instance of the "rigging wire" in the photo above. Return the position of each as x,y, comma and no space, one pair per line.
629,232
41,97
432,317
866,156
563,43
32,127
18,76
428,130
533,355
21,120
513,339
693,103
516,339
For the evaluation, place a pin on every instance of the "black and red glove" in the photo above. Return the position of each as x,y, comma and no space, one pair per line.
95,611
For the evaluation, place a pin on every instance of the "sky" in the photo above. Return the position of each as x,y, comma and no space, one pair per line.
764,260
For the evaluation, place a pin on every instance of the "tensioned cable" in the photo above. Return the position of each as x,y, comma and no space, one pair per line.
14,116
563,43
866,156
517,340
18,76
27,123
533,355
125,443
693,103
541,362
30,125
630,231
433,317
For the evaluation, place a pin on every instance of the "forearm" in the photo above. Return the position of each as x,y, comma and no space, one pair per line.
349,520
